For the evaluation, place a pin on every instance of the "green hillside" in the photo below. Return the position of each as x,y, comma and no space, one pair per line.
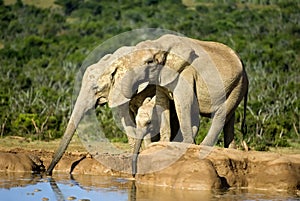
42,46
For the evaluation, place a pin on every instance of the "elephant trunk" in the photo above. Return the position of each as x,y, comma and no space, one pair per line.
137,146
62,146
77,114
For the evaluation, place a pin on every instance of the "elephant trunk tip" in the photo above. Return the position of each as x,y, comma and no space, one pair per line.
49,170
134,165
48,173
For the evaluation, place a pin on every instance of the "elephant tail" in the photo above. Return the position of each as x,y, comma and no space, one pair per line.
244,126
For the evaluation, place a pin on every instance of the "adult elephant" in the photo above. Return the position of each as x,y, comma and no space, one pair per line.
204,77
111,73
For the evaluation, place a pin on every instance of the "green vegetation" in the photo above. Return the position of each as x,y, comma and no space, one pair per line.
42,48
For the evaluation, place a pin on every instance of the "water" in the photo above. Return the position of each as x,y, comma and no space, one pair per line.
24,186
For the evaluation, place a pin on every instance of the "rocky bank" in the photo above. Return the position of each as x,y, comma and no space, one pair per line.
175,165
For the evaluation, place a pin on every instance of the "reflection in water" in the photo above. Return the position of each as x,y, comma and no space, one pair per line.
17,179
58,194
25,186
132,193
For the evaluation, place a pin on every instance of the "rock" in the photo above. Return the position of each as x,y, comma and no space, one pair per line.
200,175
176,169
222,168
279,173
71,198
19,162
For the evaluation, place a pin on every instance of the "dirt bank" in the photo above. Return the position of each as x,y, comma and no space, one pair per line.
175,165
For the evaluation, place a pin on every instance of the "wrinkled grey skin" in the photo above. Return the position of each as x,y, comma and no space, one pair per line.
120,73
211,81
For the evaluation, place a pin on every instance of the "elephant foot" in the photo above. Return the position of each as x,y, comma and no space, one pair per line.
188,140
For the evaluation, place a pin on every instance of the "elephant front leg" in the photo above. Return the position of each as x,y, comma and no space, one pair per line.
165,127
188,125
188,115
163,109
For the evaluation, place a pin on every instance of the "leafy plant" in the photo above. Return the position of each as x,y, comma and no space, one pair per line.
42,49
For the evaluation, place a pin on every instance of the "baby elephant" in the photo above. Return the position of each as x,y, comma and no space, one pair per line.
156,120
152,123
153,119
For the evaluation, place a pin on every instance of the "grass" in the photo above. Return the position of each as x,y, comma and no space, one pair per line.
16,142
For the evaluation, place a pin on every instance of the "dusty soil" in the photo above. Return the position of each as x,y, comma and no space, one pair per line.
175,165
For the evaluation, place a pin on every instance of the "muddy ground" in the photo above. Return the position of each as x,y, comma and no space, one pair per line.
174,165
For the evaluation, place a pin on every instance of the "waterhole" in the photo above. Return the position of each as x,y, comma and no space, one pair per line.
25,186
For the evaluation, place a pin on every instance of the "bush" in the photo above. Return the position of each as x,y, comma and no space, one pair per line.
42,49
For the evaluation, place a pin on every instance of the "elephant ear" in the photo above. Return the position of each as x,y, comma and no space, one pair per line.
125,87
116,96
174,65
179,46
149,57
107,70
105,82
179,54
160,63
109,81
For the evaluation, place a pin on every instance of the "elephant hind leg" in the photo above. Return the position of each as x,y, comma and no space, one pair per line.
217,124
229,131
232,103
224,117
